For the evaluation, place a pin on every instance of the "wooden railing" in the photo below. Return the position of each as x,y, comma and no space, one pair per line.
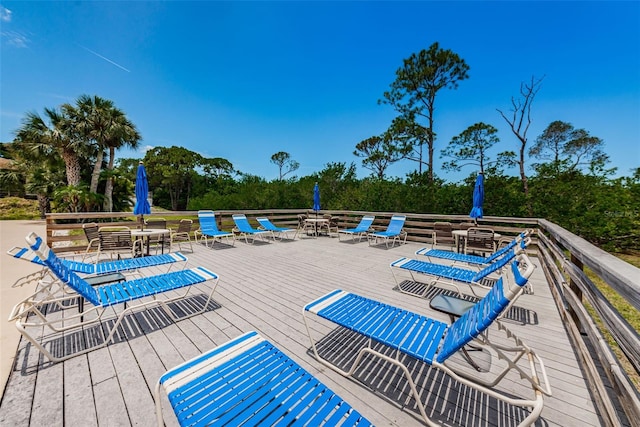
64,231
563,256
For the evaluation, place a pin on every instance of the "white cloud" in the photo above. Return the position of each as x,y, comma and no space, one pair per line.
5,14
12,38
15,39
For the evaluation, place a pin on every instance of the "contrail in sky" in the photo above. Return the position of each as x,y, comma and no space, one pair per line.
106,59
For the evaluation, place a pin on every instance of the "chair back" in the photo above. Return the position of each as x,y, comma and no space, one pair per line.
366,222
61,270
208,222
444,232
266,224
91,231
332,222
242,223
484,312
480,239
396,224
301,220
185,226
115,239
156,223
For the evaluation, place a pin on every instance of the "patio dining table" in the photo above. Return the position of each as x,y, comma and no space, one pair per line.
148,233
460,235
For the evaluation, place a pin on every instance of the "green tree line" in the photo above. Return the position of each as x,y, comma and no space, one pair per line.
603,210
66,157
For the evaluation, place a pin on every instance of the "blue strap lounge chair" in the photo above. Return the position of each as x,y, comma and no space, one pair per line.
451,275
273,229
248,381
105,267
471,259
361,229
394,232
433,342
96,273
209,229
153,290
245,229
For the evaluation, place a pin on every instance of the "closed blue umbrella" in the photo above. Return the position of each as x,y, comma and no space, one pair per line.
142,193
478,198
316,198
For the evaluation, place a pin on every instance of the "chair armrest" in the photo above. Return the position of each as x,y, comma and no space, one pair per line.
140,244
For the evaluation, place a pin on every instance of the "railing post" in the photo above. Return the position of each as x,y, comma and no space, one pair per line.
49,231
576,290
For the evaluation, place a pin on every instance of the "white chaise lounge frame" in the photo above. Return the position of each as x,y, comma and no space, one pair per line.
30,313
433,342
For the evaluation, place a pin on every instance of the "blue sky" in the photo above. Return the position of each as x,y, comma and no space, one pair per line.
244,80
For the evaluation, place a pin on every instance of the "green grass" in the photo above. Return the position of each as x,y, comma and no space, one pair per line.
18,208
622,305
632,258
625,309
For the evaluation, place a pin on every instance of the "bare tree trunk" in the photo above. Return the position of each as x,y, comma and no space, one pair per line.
519,123
108,189
175,196
430,142
108,195
43,204
524,179
420,159
95,175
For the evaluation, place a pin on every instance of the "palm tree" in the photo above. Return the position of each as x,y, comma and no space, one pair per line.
71,198
93,119
56,133
42,181
122,133
11,179
81,131
105,127
39,168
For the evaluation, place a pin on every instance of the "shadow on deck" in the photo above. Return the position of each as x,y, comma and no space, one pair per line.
263,288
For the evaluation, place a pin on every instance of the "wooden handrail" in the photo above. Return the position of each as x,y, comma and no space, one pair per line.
620,275
563,256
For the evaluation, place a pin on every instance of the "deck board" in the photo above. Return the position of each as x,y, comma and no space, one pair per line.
263,287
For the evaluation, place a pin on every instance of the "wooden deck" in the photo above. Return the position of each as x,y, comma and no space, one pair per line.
263,287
